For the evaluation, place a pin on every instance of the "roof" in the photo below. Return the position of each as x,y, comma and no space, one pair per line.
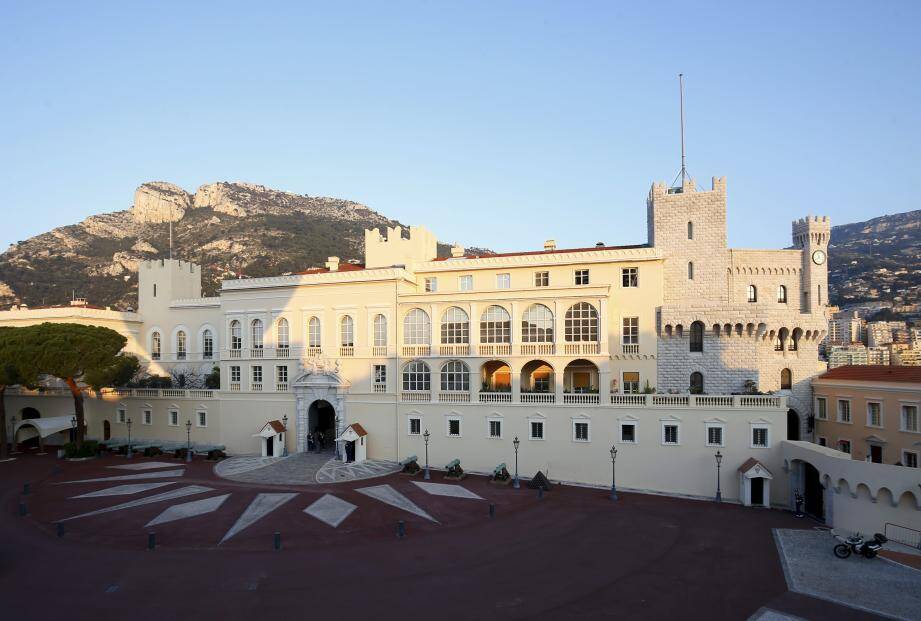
750,463
536,252
357,428
343,267
873,373
276,426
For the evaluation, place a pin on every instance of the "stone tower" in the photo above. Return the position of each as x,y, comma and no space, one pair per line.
811,235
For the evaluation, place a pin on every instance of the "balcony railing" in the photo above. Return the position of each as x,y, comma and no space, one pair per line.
454,397
581,398
495,349
380,387
537,349
584,348
256,352
537,397
347,350
495,397
256,386
458,349
159,393
235,353
281,386
628,400
313,351
379,351
414,351
234,386
415,397
631,348
283,352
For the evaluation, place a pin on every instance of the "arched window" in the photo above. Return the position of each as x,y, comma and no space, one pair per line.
281,334
347,332
416,376
207,345
417,328
314,338
786,379
236,335
455,326
794,339
537,324
155,345
752,293
495,325
380,331
256,329
782,294
697,336
690,230
180,345
697,383
690,270
455,375
581,323
782,336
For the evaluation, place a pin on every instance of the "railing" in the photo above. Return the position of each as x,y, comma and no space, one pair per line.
537,397
281,386
571,349
454,397
201,394
256,386
256,352
147,392
380,387
631,348
462,349
495,349
537,349
173,392
903,534
759,401
712,401
413,351
628,400
283,352
234,386
180,355
415,397
207,355
495,397
671,400
347,350
581,398
313,351
235,353
160,393
379,351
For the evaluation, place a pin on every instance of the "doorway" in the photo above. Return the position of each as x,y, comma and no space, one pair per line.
321,421
876,453
757,491
106,430
814,492
793,425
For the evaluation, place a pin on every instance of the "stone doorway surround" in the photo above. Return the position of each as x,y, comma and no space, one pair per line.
320,381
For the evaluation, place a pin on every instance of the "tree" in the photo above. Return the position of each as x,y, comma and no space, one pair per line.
10,375
71,352
121,372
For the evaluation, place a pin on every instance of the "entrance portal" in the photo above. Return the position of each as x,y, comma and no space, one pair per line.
815,493
106,430
321,422
793,425
758,491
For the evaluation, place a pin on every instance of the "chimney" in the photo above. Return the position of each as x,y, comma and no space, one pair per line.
457,251
550,244
332,264
599,245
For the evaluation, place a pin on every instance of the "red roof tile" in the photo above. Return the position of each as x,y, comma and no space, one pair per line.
534,252
343,267
276,426
874,373
357,428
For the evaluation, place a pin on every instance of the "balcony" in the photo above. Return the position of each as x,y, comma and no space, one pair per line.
537,349
537,397
283,352
495,397
454,397
313,352
415,397
234,386
281,386
582,349
415,351
581,398
256,352
379,351
452,351
235,353
630,348
495,349
347,351
256,387
379,388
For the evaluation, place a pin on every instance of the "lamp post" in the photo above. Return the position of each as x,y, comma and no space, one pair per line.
336,435
73,429
515,483
613,472
284,449
719,460
13,450
426,436
188,440
128,454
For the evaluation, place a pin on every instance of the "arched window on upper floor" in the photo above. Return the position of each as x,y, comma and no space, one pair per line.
495,325
347,331
236,335
697,336
455,376
257,330
380,331
581,323
696,384
752,293
537,324
417,328
417,376
155,347
455,327
282,336
180,345
314,336
207,344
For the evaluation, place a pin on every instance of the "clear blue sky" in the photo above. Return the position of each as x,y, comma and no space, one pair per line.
495,123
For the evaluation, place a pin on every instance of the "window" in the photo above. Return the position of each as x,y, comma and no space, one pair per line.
313,333
257,376
580,431
630,277
786,379
416,376
257,334
760,436
782,294
155,345
207,345
670,433
714,434
121,415
752,293
417,328
910,418
455,326
690,270
347,332
503,281
380,375
874,414
631,331
465,283
581,323
628,433
537,324
821,408
455,376
155,290
581,277
235,374
697,337
281,374
631,382
690,230
415,426
380,331
173,418
536,430
495,429
495,325
696,384
844,411
202,418
910,459
454,427
180,345
844,446
823,441
541,279
281,334
236,335
147,417
431,284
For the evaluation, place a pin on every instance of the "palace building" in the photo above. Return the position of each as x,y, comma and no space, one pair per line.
670,351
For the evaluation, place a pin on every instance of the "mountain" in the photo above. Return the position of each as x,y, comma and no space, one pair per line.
876,260
230,229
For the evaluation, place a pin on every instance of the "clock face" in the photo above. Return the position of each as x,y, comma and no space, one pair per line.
818,257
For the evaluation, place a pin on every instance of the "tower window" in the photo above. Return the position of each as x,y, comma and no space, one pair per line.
696,383
752,293
697,336
690,230
155,290
786,379
690,270
782,294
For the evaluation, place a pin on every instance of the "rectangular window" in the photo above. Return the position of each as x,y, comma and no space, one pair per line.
174,418
122,415
454,427
631,331
821,408
257,374
541,279
714,435
874,414
234,374
495,429
536,429
503,281
580,431
628,432
823,441
760,437
581,277
202,417
415,426
844,411
147,417
282,374
380,375
630,277
670,433
910,418
465,283
431,284
631,382
910,459
844,446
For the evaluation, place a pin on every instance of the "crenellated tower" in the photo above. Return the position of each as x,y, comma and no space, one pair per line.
811,236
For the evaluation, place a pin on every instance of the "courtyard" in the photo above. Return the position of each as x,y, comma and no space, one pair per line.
571,553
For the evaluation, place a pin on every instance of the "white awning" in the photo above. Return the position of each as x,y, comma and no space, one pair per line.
47,426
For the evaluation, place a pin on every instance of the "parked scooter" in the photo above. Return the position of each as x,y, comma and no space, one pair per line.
856,544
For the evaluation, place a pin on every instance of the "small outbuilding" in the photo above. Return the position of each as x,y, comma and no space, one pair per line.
353,444
755,484
273,439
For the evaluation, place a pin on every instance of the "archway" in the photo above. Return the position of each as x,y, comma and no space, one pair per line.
321,422
813,492
793,425
29,413
106,430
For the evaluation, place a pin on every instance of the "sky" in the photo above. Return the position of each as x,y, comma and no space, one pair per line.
496,124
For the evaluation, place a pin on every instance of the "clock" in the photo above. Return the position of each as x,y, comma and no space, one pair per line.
818,257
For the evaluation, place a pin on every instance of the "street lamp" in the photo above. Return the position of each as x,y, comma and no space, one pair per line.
188,440
73,429
336,435
613,473
284,452
128,454
515,483
426,436
719,460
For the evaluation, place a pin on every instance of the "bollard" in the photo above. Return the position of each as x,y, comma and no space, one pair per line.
492,510
540,493
151,540
25,489
60,528
23,510
401,529
277,540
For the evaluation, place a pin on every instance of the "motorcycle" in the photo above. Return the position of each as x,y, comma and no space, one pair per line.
856,544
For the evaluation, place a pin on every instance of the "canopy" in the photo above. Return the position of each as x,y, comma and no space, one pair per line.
47,426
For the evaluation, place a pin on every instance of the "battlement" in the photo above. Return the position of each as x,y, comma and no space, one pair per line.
394,249
175,265
660,189
812,230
